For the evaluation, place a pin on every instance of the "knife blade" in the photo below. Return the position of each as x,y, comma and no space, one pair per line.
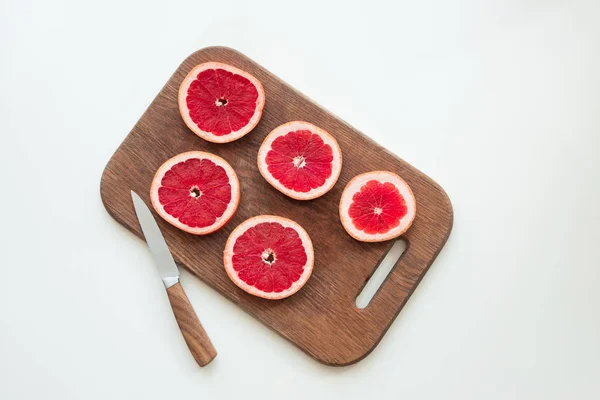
168,271
194,334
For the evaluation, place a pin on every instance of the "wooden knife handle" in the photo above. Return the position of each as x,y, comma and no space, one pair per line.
194,334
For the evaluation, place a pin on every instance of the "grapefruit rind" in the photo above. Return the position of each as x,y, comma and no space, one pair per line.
209,136
231,207
356,184
285,222
291,127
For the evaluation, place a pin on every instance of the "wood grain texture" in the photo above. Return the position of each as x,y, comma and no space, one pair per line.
321,319
193,332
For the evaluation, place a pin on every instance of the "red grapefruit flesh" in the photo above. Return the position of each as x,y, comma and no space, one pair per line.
220,103
269,256
195,191
300,160
377,206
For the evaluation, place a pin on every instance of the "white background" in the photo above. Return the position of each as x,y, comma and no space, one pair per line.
498,101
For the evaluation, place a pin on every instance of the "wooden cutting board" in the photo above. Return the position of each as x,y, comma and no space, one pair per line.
321,319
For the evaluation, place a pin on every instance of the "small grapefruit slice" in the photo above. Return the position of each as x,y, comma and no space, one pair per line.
300,160
220,103
377,206
269,256
197,192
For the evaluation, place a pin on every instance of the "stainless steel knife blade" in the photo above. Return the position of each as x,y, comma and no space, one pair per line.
167,269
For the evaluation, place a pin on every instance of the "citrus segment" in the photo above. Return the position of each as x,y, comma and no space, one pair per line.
377,206
220,103
269,256
195,191
300,160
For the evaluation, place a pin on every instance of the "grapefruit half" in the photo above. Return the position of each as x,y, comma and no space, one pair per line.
300,160
197,192
269,256
377,206
220,103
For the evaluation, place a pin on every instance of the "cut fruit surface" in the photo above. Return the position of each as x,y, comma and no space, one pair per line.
269,256
197,192
220,103
300,160
377,206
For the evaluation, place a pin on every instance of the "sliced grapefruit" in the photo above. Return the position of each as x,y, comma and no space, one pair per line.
197,192
220,103
300,160
269,256
377,206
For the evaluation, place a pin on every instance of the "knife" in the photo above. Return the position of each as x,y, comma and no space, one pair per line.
194,334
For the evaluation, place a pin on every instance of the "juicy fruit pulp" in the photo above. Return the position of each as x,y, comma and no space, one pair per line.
377,207
219,102
300,160
195,191
269,256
